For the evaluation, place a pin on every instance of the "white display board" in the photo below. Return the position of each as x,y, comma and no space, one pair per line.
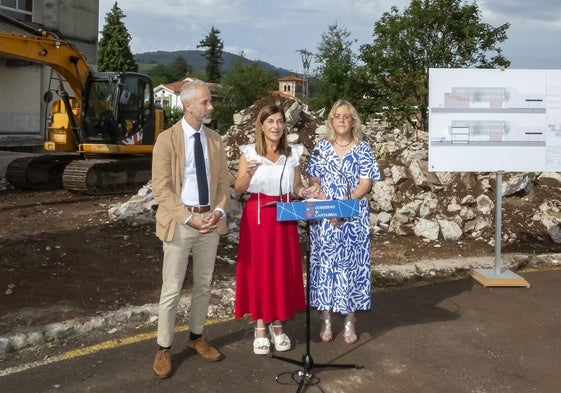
488,120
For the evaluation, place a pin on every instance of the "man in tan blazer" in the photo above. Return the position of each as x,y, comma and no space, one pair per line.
184,224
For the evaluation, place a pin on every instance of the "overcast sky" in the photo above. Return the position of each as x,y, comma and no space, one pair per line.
275,31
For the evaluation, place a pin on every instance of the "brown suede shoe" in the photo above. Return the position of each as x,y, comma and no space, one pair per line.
162,364
204,349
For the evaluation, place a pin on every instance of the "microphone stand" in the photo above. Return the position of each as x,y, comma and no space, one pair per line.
280,181
304,376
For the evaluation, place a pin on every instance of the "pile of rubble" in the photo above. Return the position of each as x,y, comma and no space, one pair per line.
409,200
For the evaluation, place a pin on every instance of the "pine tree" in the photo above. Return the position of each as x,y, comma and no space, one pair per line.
114,53
213,55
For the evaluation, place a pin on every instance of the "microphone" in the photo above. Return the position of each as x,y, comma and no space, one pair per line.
288,149
316,153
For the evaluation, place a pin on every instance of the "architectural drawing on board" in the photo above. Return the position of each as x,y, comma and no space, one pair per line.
490,116
476,97
492,98
488,120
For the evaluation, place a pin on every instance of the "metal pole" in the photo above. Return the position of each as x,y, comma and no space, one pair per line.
498,276
306,60
498,220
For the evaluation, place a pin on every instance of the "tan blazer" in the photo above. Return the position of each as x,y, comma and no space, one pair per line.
168,164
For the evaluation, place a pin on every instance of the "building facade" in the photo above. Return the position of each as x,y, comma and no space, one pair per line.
292,85
167,96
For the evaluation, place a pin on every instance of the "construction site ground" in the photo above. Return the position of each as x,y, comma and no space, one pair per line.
61,258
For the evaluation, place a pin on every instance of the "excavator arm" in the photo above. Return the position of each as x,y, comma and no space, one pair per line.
67,60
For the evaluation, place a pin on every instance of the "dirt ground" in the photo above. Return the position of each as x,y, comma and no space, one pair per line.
61,257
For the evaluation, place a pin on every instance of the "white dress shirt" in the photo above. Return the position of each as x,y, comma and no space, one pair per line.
189,190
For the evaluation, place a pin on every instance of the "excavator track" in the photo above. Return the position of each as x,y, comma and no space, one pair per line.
38,172
107,176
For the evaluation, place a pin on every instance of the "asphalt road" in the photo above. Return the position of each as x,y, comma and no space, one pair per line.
454,336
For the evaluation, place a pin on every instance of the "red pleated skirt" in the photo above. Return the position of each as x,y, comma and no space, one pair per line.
269,281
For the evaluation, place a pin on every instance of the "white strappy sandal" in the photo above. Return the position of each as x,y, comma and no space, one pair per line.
281,341
260,344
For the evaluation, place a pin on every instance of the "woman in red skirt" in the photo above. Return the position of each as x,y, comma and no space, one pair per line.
269,282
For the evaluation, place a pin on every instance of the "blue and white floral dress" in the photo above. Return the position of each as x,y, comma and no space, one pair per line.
340,255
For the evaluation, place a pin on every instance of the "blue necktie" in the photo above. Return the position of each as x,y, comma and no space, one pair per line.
202,184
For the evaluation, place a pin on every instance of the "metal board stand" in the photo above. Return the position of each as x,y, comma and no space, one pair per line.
498,277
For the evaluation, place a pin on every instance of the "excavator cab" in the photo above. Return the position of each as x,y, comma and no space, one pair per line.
118,108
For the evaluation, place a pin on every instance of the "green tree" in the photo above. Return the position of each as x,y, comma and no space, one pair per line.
179,69
160,74
337,64
176,71
213,55
428,34
172,116
114,53
241,87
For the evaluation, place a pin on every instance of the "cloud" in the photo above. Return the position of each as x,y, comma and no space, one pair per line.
275,31
534,35
546,11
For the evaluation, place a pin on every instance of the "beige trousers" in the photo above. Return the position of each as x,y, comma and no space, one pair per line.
203,249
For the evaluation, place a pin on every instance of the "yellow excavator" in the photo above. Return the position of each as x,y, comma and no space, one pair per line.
98,140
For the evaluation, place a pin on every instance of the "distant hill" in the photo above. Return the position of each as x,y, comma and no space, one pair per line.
195,59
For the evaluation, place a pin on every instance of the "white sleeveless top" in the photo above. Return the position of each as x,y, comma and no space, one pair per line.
267,178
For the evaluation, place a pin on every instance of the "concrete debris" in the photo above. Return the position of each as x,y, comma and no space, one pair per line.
409,201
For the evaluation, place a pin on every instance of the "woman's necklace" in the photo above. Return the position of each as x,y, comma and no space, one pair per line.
340,145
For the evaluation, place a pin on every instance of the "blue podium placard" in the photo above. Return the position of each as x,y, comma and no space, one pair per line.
316,209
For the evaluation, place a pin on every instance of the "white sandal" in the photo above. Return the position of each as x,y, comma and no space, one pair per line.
282,342
260,344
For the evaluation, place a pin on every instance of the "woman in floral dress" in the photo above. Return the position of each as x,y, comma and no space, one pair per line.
343,166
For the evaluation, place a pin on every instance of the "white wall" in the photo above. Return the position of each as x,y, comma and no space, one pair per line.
20,99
